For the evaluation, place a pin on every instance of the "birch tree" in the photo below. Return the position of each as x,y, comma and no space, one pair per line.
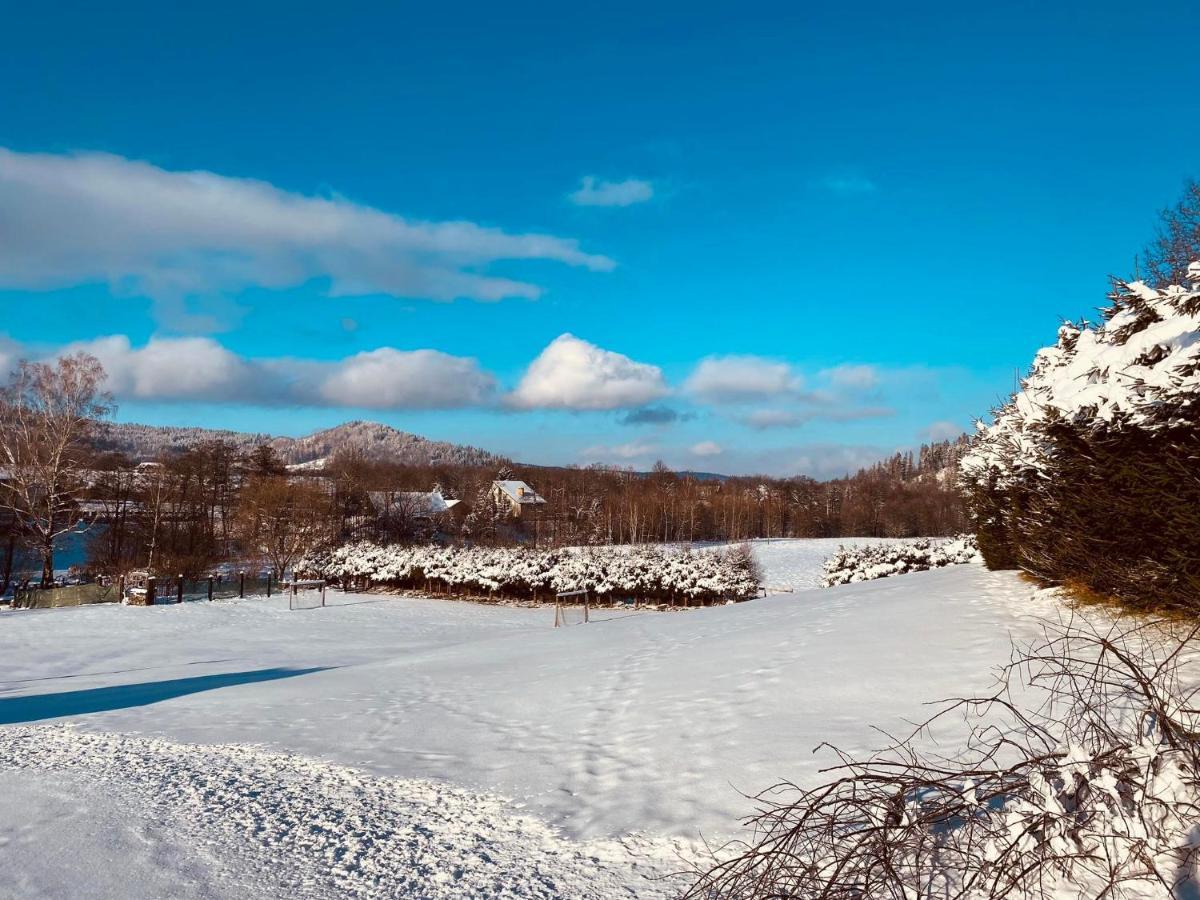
47,412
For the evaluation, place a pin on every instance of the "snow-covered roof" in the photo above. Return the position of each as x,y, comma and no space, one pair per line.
418,503
519,492
313,465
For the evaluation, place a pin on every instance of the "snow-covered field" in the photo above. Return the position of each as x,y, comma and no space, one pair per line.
796,563
410,747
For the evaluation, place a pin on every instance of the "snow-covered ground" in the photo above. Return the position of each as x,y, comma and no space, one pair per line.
410,747
796,562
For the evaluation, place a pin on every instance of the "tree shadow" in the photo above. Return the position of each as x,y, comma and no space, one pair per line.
198,662
31,708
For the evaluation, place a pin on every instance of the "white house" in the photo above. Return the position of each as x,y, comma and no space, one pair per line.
517,496
411,504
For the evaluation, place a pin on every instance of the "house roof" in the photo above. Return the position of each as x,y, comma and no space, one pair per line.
420,503
519,492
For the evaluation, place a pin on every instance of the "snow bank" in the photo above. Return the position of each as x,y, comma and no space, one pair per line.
326,831
853,564
646,572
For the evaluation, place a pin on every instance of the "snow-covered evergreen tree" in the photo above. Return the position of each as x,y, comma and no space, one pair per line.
1091,471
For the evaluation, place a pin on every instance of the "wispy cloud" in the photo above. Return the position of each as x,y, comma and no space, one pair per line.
169,235
594,191
633,450
574,374
654,415
853,377
764,393
707,448
739,379
763,419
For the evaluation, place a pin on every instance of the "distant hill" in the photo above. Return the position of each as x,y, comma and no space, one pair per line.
144,442
373,439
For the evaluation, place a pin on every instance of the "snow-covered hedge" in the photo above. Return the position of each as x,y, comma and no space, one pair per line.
866,563
1089,471
646,573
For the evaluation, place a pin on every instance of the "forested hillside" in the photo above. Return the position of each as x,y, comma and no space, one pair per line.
372,439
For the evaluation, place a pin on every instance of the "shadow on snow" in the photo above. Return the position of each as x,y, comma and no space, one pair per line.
33,707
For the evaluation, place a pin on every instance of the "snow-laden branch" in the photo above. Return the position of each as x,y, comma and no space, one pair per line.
1139,369
1079,778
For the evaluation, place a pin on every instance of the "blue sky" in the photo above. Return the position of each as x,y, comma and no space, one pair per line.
810,236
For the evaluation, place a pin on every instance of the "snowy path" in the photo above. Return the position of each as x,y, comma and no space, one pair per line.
647,723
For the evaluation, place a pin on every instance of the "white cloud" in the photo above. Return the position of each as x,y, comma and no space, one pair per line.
632,450
172,235
595,191
853,377
198,369
575,374
707,448
634,453
413,379
738,379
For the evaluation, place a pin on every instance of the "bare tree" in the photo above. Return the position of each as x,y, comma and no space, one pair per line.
47,412
1165,261
283,520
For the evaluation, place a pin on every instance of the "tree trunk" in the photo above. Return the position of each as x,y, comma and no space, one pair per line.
10,553
48,562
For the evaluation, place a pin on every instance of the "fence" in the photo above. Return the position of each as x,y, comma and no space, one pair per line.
217,587
162,590
71,595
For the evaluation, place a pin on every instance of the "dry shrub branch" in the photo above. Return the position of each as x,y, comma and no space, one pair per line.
1078,777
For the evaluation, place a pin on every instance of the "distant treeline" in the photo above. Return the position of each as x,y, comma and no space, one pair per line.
183,512
208,499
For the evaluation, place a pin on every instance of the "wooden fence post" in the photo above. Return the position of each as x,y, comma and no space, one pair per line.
151,586
241,584
179,592
210,580
268,584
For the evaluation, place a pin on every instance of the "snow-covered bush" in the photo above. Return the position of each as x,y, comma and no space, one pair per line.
1078,778
866,563
1090,471
682,576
